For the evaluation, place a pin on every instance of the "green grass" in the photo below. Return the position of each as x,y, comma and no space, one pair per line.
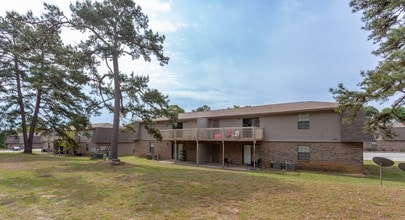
49,187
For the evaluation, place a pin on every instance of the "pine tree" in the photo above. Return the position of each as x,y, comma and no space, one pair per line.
385,19
118,28
41,79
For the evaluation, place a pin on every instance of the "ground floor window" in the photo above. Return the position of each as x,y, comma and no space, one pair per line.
303,153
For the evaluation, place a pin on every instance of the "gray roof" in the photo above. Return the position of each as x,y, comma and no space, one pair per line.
19,139
284,108
104,135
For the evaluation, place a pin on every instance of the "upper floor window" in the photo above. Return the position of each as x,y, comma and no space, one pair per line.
251,122
303,121
178,125
215,124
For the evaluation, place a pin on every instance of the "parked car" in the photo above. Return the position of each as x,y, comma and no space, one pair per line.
16,148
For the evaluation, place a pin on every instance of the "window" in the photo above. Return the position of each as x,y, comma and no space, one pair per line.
215,124
303,121
151,147
178,125
303,153
251,122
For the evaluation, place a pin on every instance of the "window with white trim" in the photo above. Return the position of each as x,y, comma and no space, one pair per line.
303,153
303,121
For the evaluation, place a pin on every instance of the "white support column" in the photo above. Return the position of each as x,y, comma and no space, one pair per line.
198,156
254,147
157,150
254,155
175,151
223,148
223,153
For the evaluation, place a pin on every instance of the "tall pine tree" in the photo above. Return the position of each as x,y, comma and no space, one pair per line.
118,28
41,79
385,19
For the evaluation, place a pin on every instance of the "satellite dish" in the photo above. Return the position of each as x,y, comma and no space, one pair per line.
382,161
402,166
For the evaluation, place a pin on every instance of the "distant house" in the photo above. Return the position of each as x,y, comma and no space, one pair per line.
309,134
395,143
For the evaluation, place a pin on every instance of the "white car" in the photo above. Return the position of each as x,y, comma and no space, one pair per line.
16,148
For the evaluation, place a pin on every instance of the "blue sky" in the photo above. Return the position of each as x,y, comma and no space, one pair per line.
248,52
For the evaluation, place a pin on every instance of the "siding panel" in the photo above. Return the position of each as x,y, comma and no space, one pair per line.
324,126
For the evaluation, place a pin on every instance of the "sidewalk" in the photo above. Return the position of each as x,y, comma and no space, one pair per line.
395,156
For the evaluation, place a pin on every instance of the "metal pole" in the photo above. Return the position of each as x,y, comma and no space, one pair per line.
381,174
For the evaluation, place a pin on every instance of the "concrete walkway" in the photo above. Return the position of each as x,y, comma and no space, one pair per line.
395,156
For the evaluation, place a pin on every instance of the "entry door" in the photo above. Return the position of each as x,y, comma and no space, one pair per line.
215,151
247,154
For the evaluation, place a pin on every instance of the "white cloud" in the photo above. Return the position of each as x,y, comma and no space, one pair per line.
166,26
161,18
152,6
209,95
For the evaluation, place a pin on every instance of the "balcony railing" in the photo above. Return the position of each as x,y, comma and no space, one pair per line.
214,134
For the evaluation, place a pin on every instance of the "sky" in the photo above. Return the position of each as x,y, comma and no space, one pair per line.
245,52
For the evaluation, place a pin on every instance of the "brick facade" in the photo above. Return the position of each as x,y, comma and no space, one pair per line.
391,145
346,157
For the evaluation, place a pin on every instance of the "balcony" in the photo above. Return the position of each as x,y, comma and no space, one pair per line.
213,134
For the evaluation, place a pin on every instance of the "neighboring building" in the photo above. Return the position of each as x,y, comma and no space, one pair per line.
97,139
38,142
309,134
395,143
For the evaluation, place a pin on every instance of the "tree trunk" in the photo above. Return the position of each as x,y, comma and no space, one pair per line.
21,104
117,109
28,149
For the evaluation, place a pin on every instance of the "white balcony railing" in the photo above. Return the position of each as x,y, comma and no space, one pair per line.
214,134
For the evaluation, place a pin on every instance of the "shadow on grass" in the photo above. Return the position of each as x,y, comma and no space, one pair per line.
138,186
392,173
23,157
147,189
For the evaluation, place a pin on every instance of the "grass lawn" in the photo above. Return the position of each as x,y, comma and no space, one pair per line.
52,187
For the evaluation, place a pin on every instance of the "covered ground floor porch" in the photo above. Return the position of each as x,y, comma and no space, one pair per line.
241,155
